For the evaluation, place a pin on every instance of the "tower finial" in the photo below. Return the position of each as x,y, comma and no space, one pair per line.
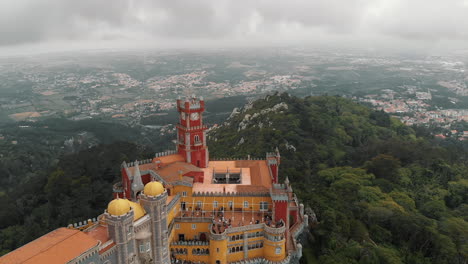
137,184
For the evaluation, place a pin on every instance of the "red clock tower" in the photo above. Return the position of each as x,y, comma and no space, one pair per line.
191,133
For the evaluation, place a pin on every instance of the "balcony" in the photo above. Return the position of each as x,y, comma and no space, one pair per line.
276,230
217,233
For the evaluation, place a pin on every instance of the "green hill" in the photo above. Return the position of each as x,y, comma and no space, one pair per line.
381,193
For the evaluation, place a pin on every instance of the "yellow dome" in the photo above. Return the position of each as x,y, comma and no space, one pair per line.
138,210
153,188
118,207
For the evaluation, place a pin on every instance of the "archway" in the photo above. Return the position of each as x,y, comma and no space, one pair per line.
203,237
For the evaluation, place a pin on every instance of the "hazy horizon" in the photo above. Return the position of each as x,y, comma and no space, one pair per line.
42,26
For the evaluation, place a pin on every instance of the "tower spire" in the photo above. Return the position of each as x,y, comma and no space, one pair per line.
137,184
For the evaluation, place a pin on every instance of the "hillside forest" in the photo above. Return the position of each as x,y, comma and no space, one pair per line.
382,192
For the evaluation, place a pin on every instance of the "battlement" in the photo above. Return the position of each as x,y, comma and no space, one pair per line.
84,224
165,153
229,159
193,128
232,194
191,103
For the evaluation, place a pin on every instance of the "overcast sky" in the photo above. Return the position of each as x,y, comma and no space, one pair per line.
41,25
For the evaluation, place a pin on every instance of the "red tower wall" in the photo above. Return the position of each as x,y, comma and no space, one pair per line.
295,215
197,150
281,211
126,184
274,172
198,158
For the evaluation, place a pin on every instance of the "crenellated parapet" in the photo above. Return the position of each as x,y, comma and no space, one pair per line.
275,230
165,153
230,159
244,228
262,261
192,128
230,194
84,224
215,236
139,162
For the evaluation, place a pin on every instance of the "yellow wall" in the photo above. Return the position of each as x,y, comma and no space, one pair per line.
190,256
269,249
189,233
172,236
244,234
178,189
173,213
255,253
237,256
238,202
218,251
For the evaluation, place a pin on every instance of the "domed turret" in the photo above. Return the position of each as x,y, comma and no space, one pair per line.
138,210
153,188
118,207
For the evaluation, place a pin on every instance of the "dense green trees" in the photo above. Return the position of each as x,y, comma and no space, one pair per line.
382,192
77,188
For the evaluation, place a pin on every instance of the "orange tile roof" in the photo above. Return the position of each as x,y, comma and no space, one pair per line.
252,189
255,177
104,249
143,167
169,158
170,173
259,172
58,246
98,232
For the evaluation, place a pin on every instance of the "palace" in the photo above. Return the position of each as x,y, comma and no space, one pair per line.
182,207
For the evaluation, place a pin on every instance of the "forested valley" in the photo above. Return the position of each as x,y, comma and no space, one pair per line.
382,192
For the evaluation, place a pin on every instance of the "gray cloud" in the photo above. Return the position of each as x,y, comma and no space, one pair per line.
224,21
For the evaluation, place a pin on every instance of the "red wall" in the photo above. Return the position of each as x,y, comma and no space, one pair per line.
199,155
198,176
274,172
295,215
281,210
145,178
126,184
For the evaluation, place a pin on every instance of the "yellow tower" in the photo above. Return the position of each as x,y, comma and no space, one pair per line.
275,243
218,248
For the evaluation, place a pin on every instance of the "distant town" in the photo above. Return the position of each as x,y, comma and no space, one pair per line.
127,89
